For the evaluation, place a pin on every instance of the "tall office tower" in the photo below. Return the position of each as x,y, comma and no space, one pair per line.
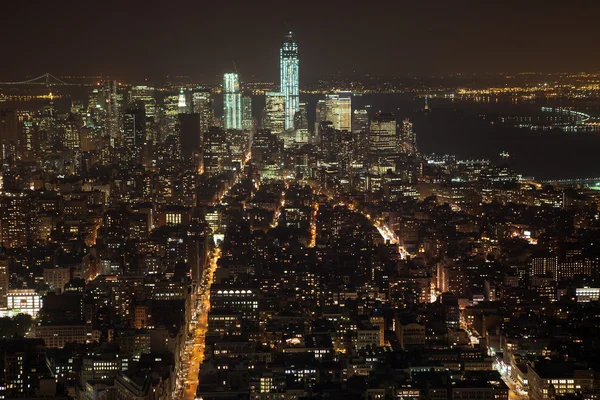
301,117
144,95
202,105
70,135
274,112
17,213
345,107
338,110
360,121
9,134
360,132
182,103
232,101
134,131
332,110
190,135
266,146
247,119
327,136
408,139
288,63
110,105
29,133
321,115
216,155
4,279
382,135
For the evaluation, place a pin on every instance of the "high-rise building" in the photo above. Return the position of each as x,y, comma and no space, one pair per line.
247,119
288,63
70,135
110,105
360,131
301,117
134,130
321,115
338,110
360,121
4,279
182,102
408,139
382,135
16,219
345,110
232,101
144,95
29,136
216,155
8,133
202,105
274,113
190,135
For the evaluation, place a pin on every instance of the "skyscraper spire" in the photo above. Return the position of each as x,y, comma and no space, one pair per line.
182,104
288,63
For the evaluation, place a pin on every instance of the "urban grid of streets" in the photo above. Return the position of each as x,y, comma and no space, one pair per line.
188,380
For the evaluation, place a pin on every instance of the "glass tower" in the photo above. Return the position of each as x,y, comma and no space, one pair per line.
288,63
232,101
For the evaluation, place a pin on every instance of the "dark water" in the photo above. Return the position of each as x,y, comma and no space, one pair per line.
464,128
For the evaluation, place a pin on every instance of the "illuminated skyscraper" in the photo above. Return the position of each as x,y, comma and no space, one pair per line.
288,63
111,111
382,135
203,105
345,106
360,131
360,121
144,95
338,110
232,101
247,112
4,279
134,131
274,113
182,104
408,139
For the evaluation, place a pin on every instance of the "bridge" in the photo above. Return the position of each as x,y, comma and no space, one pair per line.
47,79
585,182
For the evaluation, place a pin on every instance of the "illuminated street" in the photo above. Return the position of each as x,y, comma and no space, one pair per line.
196,345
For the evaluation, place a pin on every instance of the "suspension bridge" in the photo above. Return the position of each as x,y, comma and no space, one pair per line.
584,182
47,80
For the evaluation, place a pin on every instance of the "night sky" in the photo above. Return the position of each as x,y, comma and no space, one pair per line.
137,39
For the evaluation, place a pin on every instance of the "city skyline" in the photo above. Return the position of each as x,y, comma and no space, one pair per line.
363,238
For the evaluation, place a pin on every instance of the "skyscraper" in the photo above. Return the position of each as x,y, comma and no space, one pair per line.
338,110
408,139
360,131
182,103
134,131
247,112
202,104
9,128
232,101
274,113
382,135
345,106
288,63
216,155
4,279
111,111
